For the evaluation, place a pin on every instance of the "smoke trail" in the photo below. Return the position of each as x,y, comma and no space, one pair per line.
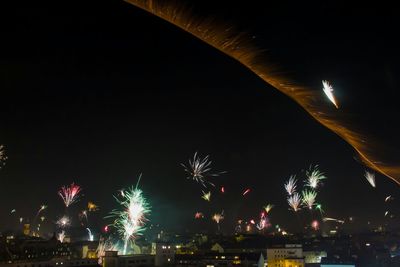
239,47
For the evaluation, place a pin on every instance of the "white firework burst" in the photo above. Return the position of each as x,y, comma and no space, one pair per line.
290,185
199,170
370,178
314,177
294,201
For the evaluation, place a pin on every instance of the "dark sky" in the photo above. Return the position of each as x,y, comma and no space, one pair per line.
97,93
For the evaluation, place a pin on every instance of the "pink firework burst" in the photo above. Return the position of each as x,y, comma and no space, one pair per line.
69,194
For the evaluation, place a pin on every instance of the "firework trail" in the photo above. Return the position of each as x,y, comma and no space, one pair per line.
263,223
290,185
83,215
69,194
3,156
92,207
199,169
61,236
328,90
388,198
206,196
370,178
222,189
90,234
240,47
130,221
268,208
386,213
294,201
319,208
13,211
327,219
314,176
308,198
218,217
246,191
199,215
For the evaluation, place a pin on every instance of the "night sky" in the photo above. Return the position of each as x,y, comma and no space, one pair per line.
96,93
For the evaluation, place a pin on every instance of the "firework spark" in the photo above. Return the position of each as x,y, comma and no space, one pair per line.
63,222
206,196
92,207
315,225
199,215
386,213
218,217
21,219
314,176
308,198
42,218
370,178
327,219
290,185
90,234
13,211
61,236
130,221
268,208
294,201
199,170
328,90
388,198
83,215
240,46
246,191
319,207
222,189
69,194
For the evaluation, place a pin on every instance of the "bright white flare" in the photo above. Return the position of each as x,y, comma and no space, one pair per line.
90,234
294,201
370,178
314,176
328,90
308,198
290,185
217,217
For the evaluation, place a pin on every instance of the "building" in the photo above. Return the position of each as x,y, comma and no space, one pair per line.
289,255
314,256
112,259
164,253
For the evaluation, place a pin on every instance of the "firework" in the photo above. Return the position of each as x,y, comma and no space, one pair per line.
13,211
315,225
42,208
246,192
294,201
222,189
199,170
199,215
63,222
328,90
290,185
42,218
206,196
217,217
90,234
263,223
92,207
308,198
69,194
130,221
3,156
252,221
268,208
386,213
21,219
319,207
370,178
104,245
83,215
314,176
61,236
388,198
240,47
327,219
